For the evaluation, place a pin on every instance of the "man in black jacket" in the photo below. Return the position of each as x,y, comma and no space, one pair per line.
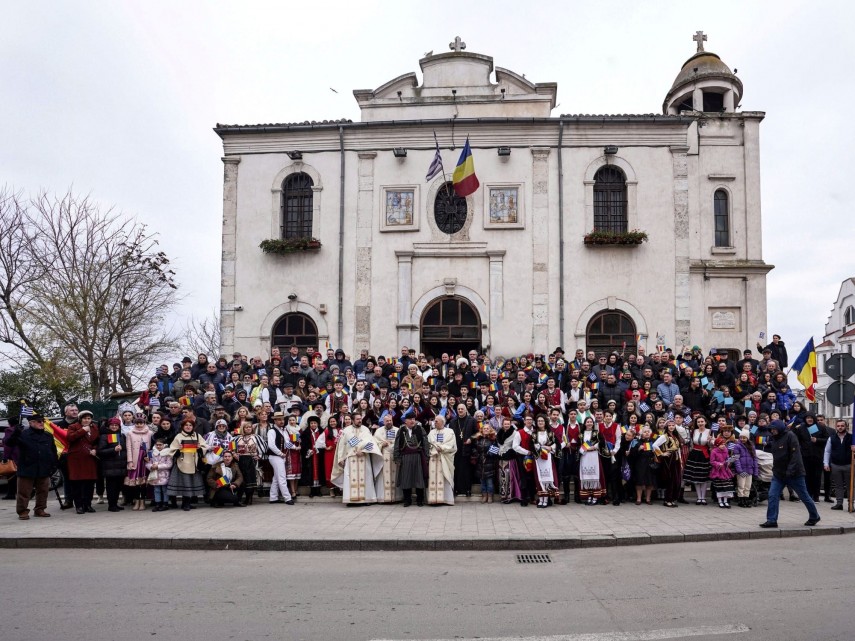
788,470
36,463
778,351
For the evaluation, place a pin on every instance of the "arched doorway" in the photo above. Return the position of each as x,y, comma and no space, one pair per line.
609,331
294,329
450,325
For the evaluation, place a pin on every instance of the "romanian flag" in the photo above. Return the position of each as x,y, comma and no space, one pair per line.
184,400
588,446
112,438
60,438
232,446
805,369
542,378
221,482
494,387
761,440
646,446
323,394
217,451
464,178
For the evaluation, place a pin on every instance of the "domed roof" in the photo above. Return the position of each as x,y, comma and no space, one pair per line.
704,64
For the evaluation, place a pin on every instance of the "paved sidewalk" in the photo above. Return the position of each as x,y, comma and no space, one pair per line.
328,525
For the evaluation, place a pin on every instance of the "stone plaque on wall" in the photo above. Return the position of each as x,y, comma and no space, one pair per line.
725,318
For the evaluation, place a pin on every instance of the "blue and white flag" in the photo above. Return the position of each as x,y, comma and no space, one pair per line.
390,434
436,167
368,446
353,441
493,451
644,407
439,438
592,376
26,410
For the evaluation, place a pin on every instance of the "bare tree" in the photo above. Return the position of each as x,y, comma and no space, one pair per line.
203,336
88,282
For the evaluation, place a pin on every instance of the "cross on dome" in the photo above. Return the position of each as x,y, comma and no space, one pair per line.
700,37
457,45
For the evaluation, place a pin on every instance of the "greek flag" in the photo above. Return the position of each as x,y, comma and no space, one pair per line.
493,451
644,407
592,376
436,167
368,446
26,410
353,441
439,438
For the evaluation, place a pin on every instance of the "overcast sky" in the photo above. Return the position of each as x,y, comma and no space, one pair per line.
118,99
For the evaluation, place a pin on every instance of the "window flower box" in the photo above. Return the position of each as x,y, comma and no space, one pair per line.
289,245
633,237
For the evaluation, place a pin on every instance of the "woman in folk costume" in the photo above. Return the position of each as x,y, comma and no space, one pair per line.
263,468
293,461
667,451
137,447
590,467
185,480
442,445
331,436
546,472
570,445
356,463
697,469
386,481
642,460
246,447
313,449
508,490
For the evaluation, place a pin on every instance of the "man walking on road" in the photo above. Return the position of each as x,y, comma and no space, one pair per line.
787,470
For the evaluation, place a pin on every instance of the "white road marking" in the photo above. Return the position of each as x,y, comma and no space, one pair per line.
644,635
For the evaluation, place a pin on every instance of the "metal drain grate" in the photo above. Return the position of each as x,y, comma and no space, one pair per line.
533,558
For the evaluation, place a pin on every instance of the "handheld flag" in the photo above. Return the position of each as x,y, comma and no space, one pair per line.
436,167
112,438
805,369
221,482
464,178
60,436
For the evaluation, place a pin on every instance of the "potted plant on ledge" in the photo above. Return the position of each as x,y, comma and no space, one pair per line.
632,237
289,245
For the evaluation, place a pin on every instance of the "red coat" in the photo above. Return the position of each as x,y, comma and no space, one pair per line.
82,466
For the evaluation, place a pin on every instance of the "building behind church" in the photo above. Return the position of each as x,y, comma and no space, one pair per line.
542,254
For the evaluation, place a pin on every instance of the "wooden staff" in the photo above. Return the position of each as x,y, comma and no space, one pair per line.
851,480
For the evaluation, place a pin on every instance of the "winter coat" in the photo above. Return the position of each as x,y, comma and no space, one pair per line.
162,463
10,451
786,456
136,442
113,463
746,463
719,469
36,452
216,472
82,466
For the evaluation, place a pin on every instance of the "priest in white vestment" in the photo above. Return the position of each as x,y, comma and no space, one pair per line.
443,446
385,483
356,465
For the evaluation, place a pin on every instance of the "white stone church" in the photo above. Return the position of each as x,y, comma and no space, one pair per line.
539,256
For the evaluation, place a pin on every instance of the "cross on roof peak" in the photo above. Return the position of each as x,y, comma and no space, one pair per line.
700,37
457,45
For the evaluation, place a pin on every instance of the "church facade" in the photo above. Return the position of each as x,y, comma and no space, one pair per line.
548,251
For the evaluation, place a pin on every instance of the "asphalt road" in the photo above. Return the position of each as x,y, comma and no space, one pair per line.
790,589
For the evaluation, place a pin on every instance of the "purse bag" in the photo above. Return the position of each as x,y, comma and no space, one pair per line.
8,468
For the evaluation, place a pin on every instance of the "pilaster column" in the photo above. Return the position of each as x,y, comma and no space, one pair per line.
227,283
405,296
364,222
497,279
682,307
540,248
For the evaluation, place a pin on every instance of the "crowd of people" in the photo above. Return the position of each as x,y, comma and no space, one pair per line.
547,430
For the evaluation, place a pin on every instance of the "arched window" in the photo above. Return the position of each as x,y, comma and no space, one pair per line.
722,218
449,210
611,331
297,197
849,315
610,200
294,329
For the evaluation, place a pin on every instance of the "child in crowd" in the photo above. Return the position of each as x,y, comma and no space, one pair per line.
159,463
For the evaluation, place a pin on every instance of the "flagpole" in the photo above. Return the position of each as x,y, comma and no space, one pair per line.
444,179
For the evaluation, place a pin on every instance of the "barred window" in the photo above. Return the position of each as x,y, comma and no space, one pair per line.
722,218
297,204
294,329
611,331
610,200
